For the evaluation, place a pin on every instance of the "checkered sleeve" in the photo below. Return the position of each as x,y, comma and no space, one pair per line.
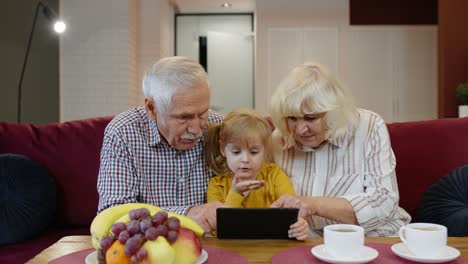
177,209
117,179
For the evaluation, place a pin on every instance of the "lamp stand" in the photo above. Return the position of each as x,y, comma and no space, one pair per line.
47,13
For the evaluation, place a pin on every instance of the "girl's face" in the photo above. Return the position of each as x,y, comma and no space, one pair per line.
309,130
244,161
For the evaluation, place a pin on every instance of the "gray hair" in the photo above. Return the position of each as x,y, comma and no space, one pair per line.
310,88
168,75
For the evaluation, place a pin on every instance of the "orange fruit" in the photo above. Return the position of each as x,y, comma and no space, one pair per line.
115,254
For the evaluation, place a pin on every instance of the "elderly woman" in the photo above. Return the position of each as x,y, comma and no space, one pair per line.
338,157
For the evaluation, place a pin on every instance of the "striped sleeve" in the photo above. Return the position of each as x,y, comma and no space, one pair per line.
379,202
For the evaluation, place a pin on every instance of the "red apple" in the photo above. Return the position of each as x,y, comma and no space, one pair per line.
187,247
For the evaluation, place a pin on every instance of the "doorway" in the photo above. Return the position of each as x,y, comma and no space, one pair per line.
224,46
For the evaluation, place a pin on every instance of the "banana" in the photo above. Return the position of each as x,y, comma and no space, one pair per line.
185,221
103,221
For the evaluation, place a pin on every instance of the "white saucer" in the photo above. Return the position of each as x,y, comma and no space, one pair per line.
92,257
203,257
450,253
368,254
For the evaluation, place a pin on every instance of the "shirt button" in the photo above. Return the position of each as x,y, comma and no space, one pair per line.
182,179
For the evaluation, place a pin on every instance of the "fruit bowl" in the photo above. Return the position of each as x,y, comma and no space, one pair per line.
145,234
92,258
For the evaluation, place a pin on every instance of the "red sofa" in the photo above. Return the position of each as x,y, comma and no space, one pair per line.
425,151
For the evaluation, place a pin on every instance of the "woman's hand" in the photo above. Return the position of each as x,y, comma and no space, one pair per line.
334,208
240,186
299,230
307,207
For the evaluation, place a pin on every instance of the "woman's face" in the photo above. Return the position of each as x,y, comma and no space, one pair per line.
308,130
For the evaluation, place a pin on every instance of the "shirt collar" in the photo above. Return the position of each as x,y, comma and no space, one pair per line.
154,137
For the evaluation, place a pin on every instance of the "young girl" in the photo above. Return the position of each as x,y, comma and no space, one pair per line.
237,151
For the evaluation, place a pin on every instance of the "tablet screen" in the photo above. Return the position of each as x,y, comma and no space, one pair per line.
255,223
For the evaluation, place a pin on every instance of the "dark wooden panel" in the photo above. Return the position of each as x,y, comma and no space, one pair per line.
453,53
393,12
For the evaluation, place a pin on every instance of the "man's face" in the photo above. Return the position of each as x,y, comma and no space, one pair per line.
182,124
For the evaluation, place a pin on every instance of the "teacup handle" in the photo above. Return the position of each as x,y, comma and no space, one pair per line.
402,234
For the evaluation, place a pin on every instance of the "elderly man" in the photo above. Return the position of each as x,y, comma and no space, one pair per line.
155,154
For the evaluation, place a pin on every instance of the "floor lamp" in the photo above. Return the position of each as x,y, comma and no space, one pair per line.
59,27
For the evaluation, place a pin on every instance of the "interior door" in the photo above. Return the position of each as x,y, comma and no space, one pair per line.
230,70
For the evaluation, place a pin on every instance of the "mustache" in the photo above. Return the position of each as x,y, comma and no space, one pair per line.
191,136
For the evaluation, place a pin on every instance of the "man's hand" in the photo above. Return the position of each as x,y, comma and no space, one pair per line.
306,205
240,186
205,214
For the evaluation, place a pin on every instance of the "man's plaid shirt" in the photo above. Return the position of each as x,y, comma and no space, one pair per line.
137,165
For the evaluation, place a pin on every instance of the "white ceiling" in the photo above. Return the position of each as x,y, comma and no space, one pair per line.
214,6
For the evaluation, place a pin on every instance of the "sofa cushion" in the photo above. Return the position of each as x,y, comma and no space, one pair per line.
446,203
27,198
425,151
70,152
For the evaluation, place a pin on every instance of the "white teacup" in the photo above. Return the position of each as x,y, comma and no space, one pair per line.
424,239
343,241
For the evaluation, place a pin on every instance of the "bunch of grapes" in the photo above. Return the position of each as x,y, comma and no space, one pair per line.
141,227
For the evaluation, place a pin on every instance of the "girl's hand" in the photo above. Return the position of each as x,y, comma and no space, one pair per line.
240,186
299,230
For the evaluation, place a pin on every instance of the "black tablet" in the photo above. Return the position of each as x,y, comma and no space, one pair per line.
255,223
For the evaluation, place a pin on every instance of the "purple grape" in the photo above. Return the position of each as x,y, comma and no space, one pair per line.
139,213
145,223
141,254
133,227
134,214
151,233
106,242
134,259
161,230
159,218
144,212
124,236
173,223
117,228
171,236
133,244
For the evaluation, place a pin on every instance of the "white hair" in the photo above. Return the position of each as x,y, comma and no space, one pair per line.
310,88
168,75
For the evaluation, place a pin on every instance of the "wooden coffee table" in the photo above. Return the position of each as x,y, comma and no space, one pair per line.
246,248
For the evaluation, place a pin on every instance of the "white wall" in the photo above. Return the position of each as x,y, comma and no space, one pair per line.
107,47
291,14
391,70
